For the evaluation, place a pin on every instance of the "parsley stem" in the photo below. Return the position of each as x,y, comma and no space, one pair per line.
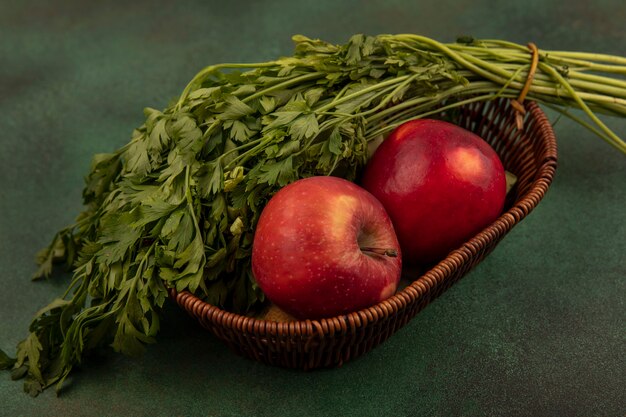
207,71
614,139
588,56
360,92
419,115
388,95
411,103
190,204
241,159
288,83
238,149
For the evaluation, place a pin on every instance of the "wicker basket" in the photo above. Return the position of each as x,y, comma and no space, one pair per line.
530,154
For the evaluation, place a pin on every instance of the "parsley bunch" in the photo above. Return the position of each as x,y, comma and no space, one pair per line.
177,205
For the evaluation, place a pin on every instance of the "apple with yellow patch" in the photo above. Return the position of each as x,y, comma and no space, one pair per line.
323,247
439,183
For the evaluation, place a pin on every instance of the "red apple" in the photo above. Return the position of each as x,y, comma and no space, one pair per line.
439,183
324,246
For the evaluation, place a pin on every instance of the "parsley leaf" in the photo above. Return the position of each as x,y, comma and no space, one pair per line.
304,127
279,172
235,109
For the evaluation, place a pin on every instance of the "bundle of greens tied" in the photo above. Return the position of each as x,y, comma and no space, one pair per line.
176,207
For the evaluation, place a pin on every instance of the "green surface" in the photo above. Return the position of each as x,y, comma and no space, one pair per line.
537,329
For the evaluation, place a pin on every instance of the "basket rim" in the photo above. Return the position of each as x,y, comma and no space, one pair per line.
414,290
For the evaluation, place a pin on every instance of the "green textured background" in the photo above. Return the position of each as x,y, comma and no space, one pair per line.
538,329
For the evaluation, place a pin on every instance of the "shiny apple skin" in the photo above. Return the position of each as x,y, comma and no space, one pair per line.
306,254
439,183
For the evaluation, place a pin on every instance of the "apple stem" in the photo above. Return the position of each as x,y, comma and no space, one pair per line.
392,253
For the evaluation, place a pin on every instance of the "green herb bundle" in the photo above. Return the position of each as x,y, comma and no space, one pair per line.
177,205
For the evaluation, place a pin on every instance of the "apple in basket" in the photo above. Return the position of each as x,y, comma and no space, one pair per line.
324,246
440,184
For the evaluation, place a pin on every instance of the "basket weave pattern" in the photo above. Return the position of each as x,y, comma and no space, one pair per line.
529,153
